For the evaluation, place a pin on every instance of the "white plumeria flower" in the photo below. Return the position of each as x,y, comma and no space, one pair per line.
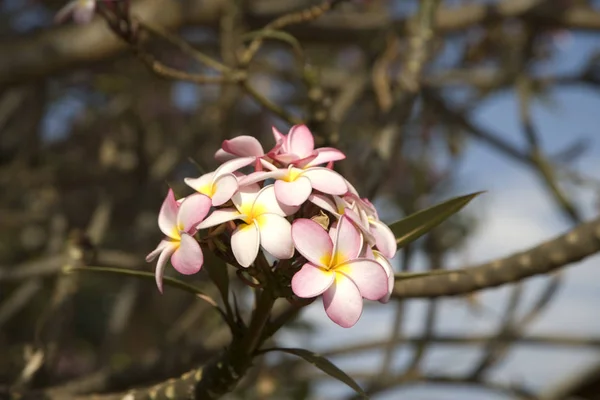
264,224
293,186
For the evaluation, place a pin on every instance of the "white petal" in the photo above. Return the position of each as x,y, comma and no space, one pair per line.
219,216
276,235
266,202
244,244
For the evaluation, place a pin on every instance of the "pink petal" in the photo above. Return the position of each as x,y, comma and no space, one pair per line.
325,155
167,216
202,184
266,202
268,165
360,224
293,193
312,241
385,263
348,243
276,235
343,302
368,275
192,211
225,187
166,252
286,158
326,180
300,141
311,281
233,165
303,162
244,244
243,146
220,216
279,138
384,238
323,201
222,156
188,258
154,253
259,176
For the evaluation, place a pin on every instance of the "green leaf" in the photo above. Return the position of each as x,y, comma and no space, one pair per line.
147,275
323,364
414,226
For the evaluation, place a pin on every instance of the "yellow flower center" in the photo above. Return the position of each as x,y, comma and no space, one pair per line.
292,174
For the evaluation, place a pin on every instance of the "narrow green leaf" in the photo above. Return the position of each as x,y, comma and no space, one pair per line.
147,275
323,364
411,228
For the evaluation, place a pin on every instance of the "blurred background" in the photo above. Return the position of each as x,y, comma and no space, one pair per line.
428,99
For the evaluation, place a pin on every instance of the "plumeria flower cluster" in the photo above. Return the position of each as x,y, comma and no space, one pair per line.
291,204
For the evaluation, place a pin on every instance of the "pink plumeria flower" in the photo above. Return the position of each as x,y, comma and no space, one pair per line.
363,214
221,184
263,224
298,149
335,271
240,146
178,220
293,186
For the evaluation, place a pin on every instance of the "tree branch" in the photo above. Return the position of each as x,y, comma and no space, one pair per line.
581,242
63,48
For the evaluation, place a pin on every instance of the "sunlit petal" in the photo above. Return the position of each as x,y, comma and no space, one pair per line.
325,155
266,202
168,250
245,196
348,243
217,217
167,217
259,176
312,241
368,275
385,263
222,156
233,165
326,180
188,258
279,138
192,211
203,184
360,224
276,235
293,193
343,302
384,238
225,187
245,243
311,281
323,201
161,246
300,141
243,146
